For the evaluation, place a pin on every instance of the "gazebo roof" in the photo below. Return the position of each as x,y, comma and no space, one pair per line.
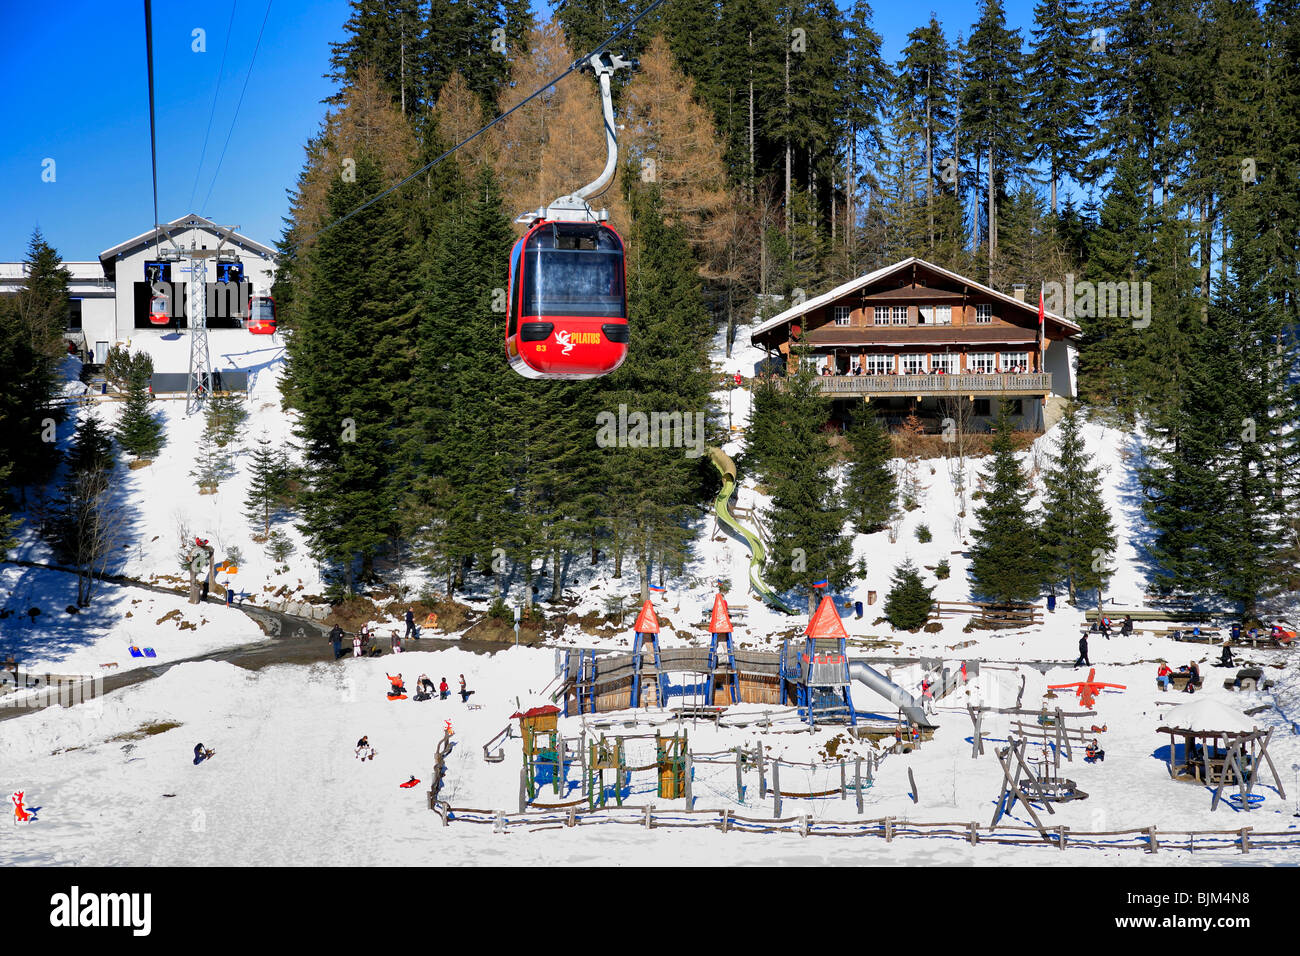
1207,716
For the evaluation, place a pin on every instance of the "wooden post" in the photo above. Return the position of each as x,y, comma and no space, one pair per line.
889,829
912,781
1060,835
776,787
646,820
1263,755
857,780
740,783
1245,839
724,819
1152,843
762,773
803,824
523,789
559,764
686,781
844,785
974,833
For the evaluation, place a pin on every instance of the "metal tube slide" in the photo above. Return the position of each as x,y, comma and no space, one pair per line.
882,685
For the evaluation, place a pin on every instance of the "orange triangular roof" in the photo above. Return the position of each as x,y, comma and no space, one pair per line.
719,620
825,623
647,622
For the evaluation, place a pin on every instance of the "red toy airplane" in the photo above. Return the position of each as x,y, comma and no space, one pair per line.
1087,690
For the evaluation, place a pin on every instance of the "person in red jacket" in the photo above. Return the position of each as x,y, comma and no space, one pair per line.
443,690
1163,676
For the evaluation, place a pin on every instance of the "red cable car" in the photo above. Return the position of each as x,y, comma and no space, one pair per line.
159,313
261,315
567,311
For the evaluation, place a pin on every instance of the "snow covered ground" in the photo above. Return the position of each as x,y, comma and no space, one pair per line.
285,787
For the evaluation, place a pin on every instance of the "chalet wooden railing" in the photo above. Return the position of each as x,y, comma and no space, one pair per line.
1034,383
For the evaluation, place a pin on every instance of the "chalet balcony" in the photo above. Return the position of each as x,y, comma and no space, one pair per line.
864,386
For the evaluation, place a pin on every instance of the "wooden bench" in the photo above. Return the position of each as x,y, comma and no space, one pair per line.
1248,678
1178,681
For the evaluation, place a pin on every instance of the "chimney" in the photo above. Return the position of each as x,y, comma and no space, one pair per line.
1018,290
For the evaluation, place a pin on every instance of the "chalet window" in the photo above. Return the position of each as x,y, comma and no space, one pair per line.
914,364
946,361
1014,361
841,315
936,315
981,406
813,362
983,314
880,364
984,362
891,315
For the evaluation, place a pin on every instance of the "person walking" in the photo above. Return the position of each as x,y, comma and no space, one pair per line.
410,625
397,643
464,694
1083,652
336,640
356,645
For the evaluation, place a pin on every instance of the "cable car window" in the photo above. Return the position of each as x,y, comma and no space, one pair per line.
575,271
261,310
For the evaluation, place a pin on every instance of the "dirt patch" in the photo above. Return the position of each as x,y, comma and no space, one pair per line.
172,615
139,463
145,730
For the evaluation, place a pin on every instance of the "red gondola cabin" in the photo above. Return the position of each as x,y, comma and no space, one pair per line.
567,311
261,315
159,312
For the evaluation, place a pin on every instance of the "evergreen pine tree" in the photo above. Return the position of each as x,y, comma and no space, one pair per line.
870,491
267,486
806,519
908,604
1060,94
1077,532
1005,560
138,432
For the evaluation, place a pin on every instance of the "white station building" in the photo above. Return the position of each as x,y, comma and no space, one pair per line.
110,297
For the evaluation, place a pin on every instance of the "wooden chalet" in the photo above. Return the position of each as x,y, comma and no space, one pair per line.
916,338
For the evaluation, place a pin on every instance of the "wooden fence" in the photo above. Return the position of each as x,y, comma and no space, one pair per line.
989,615
1148,839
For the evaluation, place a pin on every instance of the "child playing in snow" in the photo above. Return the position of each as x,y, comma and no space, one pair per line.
443,690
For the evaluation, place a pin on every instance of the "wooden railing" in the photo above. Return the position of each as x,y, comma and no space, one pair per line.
1034,383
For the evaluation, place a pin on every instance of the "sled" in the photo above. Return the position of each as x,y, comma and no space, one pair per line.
397,697
150,652
409,784
135,651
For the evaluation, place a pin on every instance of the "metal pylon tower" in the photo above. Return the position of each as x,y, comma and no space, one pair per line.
199,386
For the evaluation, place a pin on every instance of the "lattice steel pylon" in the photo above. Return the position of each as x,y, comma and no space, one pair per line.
199,386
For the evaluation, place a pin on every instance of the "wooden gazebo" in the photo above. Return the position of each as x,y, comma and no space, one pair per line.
1221,747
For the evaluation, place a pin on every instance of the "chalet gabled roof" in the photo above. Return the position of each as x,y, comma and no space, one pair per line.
193,220
797,311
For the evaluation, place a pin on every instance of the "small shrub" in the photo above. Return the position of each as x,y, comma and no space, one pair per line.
501,611
923,533
942,570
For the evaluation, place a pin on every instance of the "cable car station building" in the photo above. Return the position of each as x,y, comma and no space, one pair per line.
915,338
110,299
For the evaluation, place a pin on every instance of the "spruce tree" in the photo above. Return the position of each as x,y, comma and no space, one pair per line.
908,604
1006,565
138,432
1077,532
870,491
1060,93
807,518
267,486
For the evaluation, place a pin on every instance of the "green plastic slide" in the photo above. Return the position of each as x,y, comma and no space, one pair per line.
757,553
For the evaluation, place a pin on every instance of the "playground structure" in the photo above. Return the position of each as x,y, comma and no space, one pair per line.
1221,748
714,677
546,760
757,552
1087,690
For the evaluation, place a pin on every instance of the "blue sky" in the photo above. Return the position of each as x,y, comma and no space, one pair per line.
76,93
